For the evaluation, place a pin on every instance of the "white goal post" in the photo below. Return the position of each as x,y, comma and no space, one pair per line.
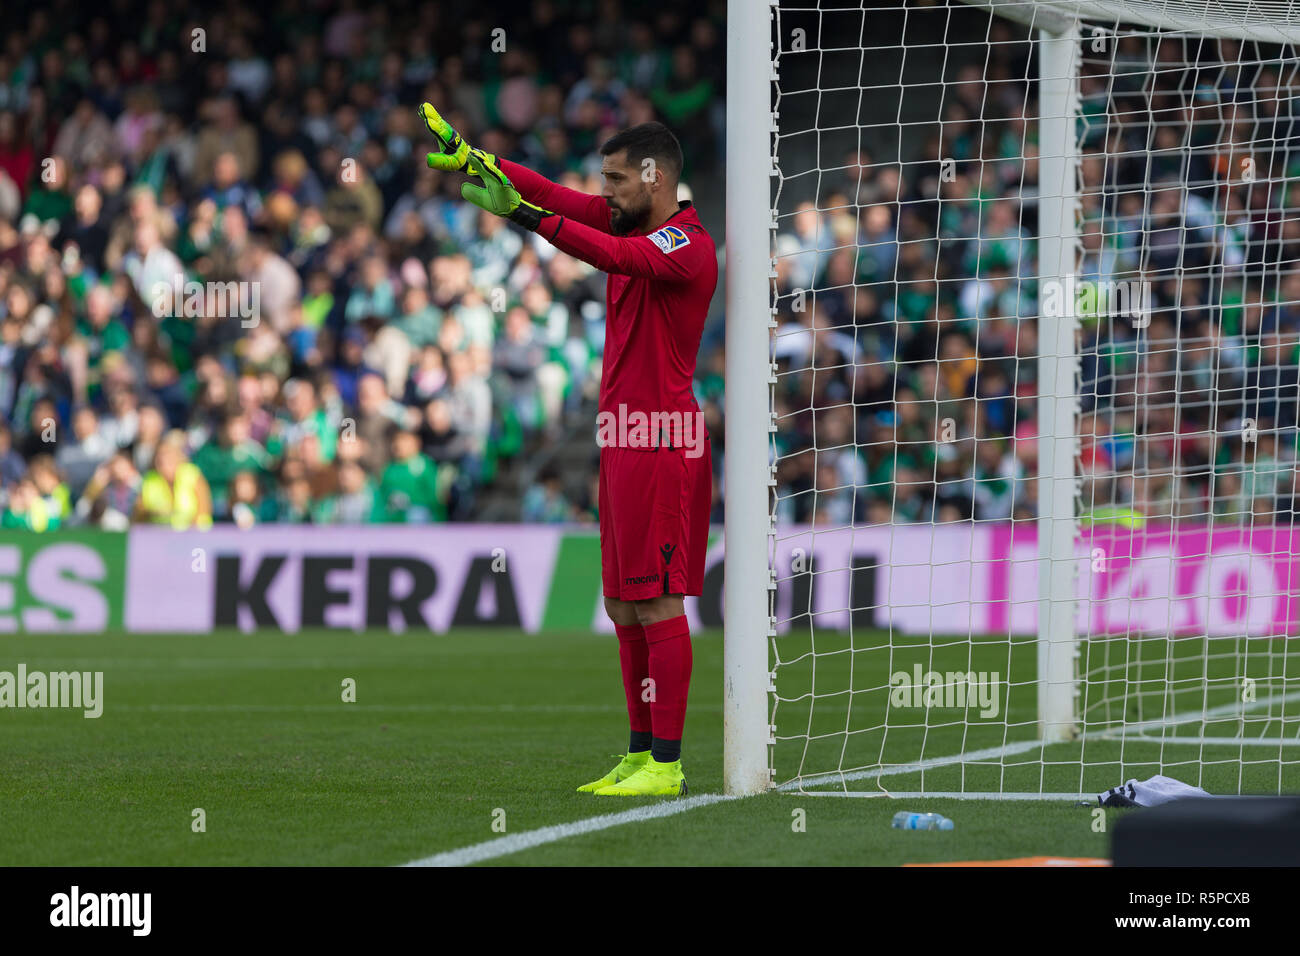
1012,410
746,605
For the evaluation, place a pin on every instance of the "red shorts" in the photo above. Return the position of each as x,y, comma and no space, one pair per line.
654,521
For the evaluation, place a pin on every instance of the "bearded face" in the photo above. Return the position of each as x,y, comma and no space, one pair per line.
627,194
631,214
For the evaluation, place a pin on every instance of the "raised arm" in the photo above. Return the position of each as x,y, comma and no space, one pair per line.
537,189
454,156
667,255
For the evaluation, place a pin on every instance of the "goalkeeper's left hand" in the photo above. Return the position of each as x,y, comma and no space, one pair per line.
497,195
454,152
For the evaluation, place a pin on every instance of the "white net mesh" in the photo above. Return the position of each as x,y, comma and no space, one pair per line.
1270,21
908,293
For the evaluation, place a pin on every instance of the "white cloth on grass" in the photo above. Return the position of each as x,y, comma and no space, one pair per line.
1148,793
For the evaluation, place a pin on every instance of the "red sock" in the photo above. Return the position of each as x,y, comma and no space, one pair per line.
634,655
670,669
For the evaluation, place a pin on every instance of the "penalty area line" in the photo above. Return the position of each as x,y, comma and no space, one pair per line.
517,842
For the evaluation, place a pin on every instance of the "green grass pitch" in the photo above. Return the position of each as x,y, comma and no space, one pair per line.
839,711
449,734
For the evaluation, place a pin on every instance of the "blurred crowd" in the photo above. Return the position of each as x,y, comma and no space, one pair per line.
907,338
342,339
231,290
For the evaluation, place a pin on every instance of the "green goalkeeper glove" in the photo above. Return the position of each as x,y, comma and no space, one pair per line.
455,151
497,195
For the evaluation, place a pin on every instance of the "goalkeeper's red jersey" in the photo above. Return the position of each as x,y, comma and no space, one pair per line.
656,299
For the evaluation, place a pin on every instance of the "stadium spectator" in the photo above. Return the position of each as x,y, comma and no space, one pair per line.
110,497
545,500
230,453
174,491
80,458
409,486
407,351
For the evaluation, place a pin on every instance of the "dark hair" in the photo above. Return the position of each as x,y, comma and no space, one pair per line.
648,140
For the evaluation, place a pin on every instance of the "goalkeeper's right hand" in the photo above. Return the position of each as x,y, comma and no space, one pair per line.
455,151
498,195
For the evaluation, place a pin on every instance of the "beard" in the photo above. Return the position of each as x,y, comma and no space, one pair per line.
632,218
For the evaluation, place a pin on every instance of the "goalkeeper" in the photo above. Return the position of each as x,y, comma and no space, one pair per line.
656,483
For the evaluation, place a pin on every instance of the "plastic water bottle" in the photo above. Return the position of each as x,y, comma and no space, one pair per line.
904,820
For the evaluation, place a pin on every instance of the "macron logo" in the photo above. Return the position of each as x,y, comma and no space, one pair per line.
102,909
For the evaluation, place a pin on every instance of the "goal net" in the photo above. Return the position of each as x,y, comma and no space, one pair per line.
1033,443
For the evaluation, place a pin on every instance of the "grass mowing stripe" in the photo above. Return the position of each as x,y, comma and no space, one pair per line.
515,842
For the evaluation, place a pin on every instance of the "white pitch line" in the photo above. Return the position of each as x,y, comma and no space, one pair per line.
1204,741
516,842
988,753
1238,709
940,795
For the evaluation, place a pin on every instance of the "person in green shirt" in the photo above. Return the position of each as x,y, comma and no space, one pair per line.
303,416
409,485
103,331
231,452
294,503
248,506
50,202
26,510
356,499
420,319
684,99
